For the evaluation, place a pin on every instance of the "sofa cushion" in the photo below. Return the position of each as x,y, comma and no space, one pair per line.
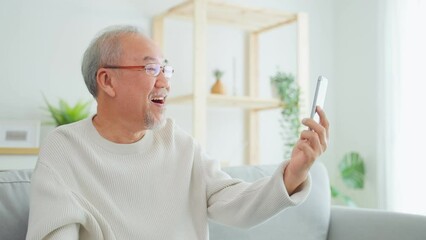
14,204
308,221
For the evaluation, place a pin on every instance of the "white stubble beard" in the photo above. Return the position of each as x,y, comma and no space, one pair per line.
151,122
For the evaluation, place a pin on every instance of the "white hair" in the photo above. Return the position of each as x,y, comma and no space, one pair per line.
104,49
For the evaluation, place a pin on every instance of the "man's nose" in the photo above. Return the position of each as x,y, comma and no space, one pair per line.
162,81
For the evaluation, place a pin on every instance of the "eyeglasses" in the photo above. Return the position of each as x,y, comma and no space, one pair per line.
152,69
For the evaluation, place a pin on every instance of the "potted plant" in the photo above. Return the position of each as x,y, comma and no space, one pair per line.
218,87
352,172
288,91
351,167
65,113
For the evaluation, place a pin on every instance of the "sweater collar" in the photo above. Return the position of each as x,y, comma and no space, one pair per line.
139,146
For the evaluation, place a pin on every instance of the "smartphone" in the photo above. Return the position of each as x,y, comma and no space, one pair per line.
319,97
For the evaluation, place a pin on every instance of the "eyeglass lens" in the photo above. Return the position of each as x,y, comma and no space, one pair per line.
154,70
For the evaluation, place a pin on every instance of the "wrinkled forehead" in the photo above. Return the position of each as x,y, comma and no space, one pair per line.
141,49
151,59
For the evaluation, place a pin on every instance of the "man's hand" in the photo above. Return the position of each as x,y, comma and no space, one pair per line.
312,144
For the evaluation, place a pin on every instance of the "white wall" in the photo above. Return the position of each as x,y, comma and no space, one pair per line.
41,49
356,89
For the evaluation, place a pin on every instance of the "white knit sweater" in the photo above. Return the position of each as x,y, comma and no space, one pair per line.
161,187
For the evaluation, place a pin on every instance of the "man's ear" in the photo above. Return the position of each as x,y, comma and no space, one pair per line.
105,83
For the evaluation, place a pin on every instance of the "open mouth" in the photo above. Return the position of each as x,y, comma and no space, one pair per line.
158,100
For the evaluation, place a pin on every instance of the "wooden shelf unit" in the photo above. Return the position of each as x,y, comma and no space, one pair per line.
254,21
250,19
19,151
216,100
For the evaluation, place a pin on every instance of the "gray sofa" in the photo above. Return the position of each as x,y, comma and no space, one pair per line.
315,219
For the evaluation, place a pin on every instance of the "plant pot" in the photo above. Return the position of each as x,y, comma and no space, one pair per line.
218,87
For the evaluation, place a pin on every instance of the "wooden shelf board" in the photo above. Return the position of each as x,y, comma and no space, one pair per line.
180,99
19,151
231,101
248,18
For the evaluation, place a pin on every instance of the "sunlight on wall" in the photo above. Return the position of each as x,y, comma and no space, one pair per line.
410,162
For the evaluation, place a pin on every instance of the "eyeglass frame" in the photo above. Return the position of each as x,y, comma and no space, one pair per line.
141,67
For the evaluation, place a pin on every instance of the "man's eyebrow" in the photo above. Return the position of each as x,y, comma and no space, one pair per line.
148,58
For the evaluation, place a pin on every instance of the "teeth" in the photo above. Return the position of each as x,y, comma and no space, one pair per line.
158,98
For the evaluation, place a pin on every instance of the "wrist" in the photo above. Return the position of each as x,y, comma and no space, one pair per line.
293,181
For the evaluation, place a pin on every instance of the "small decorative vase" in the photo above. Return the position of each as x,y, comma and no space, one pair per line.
218,87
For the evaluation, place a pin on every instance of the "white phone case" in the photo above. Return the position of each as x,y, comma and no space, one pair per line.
319,97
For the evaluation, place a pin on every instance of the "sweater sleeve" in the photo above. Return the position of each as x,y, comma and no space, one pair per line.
53,211
241,204
69,232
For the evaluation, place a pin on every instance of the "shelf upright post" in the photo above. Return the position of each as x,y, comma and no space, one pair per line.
158,31
199,110
252,118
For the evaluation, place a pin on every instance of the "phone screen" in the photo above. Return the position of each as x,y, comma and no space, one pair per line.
319,97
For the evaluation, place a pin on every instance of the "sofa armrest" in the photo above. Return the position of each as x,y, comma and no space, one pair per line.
14,203
362,224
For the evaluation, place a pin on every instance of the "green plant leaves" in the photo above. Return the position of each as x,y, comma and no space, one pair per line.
64,113
288,91
218,74
352,170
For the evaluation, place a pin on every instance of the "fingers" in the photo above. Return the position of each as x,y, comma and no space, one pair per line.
322,128
323,119
306,150
313,140
318,130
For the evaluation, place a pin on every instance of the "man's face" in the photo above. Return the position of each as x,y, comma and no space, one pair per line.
141,97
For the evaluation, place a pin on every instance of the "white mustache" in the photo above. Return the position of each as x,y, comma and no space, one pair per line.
160,93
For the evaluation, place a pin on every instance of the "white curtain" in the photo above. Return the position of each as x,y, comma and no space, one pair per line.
405,44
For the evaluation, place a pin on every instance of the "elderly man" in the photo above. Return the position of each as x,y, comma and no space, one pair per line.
128,173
